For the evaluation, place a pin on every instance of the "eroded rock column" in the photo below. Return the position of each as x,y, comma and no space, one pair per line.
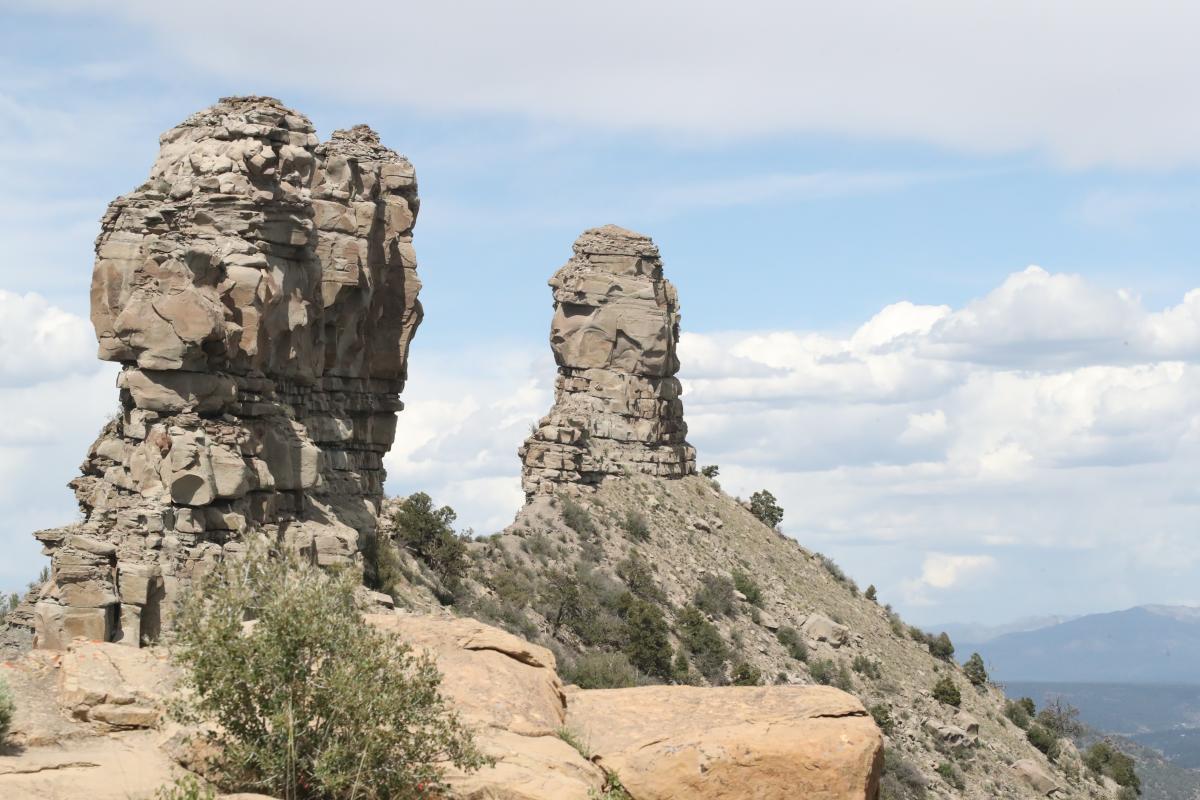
260,293
617,408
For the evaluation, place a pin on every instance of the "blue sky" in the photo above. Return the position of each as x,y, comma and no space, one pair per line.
803,170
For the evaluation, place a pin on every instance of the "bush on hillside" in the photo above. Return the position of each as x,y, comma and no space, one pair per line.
882,714
310,702
975,670
745,674
837,573
703,641
638,576
1061,719
647,638
871,594
577,517
901,779
601,671
1043,740
941,647
636,525
1104,759
790,638
1020,711
715,596
867,667
426,532
710,471
764,506
8,709
946,691
747,586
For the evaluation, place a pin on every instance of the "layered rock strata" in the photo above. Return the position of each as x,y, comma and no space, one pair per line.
617,407
260,292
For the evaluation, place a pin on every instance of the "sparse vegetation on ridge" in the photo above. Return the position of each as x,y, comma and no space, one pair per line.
8,709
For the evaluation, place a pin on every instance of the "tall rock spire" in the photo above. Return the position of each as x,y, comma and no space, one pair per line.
260,292
617,408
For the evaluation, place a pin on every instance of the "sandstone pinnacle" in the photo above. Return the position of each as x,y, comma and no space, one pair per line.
617,407
260,293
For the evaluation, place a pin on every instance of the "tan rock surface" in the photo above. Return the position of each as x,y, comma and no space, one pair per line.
508,690
614,333
732,742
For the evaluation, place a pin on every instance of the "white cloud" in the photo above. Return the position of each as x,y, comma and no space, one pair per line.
38,340
1084,82
944,571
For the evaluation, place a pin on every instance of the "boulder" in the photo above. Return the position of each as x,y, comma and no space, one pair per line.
509,691
119,687
767,743
820,628
1033,775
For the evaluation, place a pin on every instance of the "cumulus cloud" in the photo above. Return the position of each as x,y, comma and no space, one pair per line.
38,340
943,571
1075,80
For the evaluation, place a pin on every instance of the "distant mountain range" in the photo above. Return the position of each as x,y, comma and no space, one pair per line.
1142,645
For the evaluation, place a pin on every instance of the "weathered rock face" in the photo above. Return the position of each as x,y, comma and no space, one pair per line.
617,408
769,743
260,292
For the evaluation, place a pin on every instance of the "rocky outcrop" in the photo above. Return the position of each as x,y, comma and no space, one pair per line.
763,742
617,407
260,292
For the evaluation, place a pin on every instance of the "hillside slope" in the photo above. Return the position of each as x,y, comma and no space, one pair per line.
660,541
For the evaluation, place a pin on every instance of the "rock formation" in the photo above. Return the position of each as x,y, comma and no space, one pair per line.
260,292
617,408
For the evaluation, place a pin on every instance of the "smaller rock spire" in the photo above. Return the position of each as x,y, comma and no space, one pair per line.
617,408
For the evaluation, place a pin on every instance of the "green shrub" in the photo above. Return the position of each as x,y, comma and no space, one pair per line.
1104,759
8,709
647,642
745,674
941,647
189,787
382,568
975,670
1043,740
681,670
710,471
946,691
715,596
703,640
310,702
882,714
561,600
867,668
952,775
790,638
764,506
901,779
577,517
637,526
871,594
837,573
612,790
426,532
602,671
746,585
1020,711
14,600
822,670
638,576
